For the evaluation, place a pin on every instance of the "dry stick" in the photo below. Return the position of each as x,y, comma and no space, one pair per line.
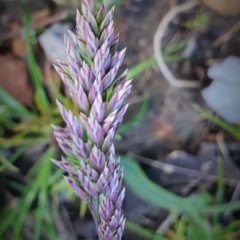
135,100
166,224
157,42
63,224
225,152
171,168
227,35
36,25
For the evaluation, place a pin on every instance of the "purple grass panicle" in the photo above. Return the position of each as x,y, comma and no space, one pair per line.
90,74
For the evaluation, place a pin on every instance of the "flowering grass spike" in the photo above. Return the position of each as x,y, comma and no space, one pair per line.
90,74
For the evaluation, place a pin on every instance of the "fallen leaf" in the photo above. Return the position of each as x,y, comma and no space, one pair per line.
14,79
18,43
162,129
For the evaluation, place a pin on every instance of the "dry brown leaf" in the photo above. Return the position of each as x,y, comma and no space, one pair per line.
14,79
162,129
18,43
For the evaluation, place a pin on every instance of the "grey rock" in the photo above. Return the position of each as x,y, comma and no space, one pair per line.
223,95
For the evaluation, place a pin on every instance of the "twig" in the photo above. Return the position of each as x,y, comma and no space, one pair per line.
227,35
157,42
165,225
224,150
36,25
135,100
63,223
171,168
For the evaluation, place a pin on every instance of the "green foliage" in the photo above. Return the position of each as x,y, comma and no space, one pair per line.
195,209
200,21
143,232
169,55
192,214
33,127
135,121
16,107
6,164
232,129
40,95
37,189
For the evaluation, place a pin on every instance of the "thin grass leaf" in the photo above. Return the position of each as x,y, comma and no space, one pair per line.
20,141
172,58
6,164
43,205
233,130
175,47
180,226
220,187
141,185
40,94
134,71
7,217
194,232
83,208
220,208
231,227
55,177
50,231
30,192
55,93
137,118
143,232
15,185
15,106
17,154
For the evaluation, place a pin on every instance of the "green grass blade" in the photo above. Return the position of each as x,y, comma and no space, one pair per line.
175,47
6,164
40,94
42,196
232,226
17,154
15,185
134,71
40,171
6,218
172,58
83,209
20,141
143,187
137,118
220,208
14,105
220,187
180,226
143,232
233,130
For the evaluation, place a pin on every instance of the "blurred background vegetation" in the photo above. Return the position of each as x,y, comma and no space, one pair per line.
35,201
